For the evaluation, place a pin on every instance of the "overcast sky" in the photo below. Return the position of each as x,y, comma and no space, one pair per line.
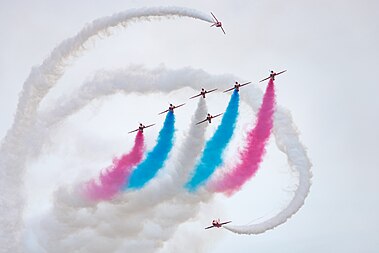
330,49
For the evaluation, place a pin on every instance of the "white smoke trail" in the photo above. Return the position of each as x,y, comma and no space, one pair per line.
16,146
287,140
132,79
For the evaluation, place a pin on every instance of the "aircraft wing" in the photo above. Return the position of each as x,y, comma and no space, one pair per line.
133,131
223,30
225,223
201,122
214,17
149,125
245,84
210,227
229,89
281,72
265,79
195,96
163,112
209,91
179,105
217,115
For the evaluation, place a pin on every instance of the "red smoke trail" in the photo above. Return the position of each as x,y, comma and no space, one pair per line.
251,156
114,177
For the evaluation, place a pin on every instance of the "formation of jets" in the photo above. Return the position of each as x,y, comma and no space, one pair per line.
209,117
202,94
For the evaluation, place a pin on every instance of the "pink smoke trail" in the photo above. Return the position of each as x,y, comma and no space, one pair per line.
251,156
115,176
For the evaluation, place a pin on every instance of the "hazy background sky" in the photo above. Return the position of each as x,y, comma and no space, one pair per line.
330,49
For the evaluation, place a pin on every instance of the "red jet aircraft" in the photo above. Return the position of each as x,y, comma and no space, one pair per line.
217,224
272,75
202,93
237,86
141,128
171,108
208,118
217,23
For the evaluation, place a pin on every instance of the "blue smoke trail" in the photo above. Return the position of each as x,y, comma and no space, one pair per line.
155,159
212,154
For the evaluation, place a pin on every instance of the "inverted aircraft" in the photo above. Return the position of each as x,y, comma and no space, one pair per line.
217,23
209,118
272,75
237,86
171,108
141,128
217,224
202,93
